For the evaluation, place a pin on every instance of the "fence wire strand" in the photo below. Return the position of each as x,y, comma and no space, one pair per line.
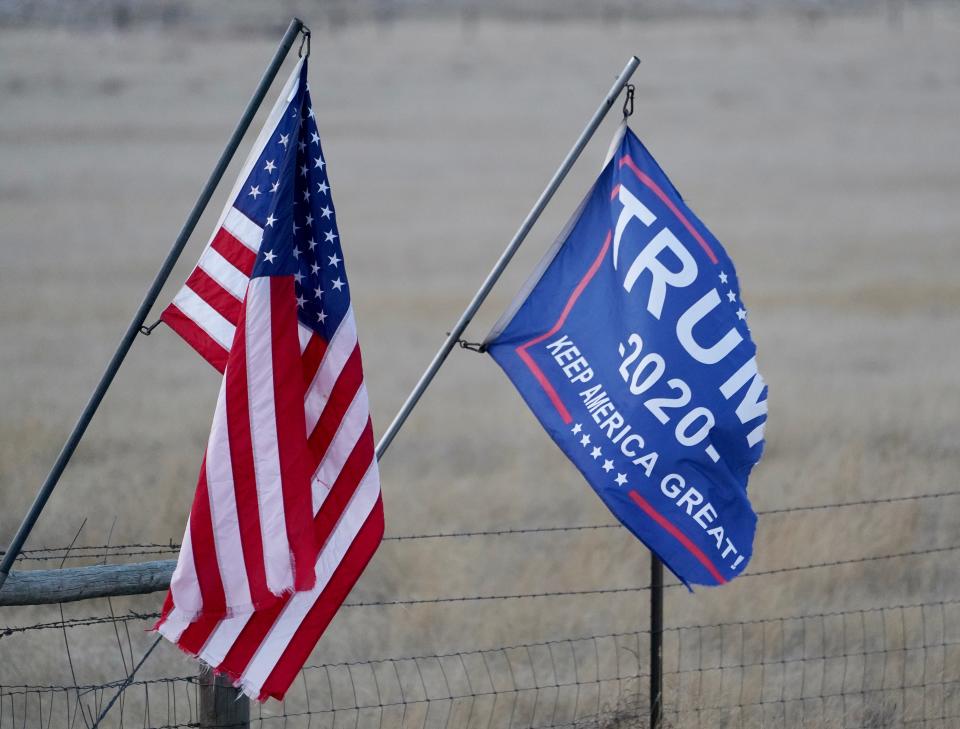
102,551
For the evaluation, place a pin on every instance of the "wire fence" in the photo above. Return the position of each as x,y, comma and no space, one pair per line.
878,667
873,668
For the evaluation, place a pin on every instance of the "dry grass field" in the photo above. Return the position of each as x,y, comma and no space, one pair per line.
824,153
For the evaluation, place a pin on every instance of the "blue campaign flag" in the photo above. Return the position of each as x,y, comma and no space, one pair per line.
630,344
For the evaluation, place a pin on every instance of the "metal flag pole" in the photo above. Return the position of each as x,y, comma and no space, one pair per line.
16,544
454,336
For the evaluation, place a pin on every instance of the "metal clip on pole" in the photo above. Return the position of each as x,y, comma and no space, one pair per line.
305,32
628,101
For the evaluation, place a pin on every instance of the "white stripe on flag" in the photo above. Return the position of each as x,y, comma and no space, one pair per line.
225,523
230,277
205,316
341,346
185,591
281,632
174,624
221,640
263,435
243,229
305,334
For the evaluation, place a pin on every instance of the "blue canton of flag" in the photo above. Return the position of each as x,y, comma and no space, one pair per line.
630,344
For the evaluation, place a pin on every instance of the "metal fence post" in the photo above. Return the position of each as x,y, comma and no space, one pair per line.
656,642
221,705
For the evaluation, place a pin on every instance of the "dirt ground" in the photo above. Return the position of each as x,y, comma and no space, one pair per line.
824,153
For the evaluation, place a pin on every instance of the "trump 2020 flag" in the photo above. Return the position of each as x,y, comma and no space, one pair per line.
287,510
630,344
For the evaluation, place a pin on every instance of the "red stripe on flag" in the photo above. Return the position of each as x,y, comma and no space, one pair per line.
205,550
225,303
196,634
196,337
167,608
296,465
655,188
342,394
234,251
241,462
312,357
678,535
316,621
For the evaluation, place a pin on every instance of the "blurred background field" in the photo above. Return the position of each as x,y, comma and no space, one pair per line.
819,141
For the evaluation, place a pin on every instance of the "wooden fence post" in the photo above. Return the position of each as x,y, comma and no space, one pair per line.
221,705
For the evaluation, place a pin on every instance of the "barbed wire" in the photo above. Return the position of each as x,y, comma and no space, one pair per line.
171,547
644,588
79,622
132,616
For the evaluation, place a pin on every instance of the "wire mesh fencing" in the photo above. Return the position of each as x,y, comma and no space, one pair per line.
877,668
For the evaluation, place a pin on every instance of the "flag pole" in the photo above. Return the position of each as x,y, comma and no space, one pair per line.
454,336
16,544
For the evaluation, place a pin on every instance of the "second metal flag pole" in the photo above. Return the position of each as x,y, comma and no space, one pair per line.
454,336
656,592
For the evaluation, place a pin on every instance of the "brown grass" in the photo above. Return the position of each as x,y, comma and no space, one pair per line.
824,156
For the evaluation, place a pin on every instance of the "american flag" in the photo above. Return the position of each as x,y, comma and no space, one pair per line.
287,511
